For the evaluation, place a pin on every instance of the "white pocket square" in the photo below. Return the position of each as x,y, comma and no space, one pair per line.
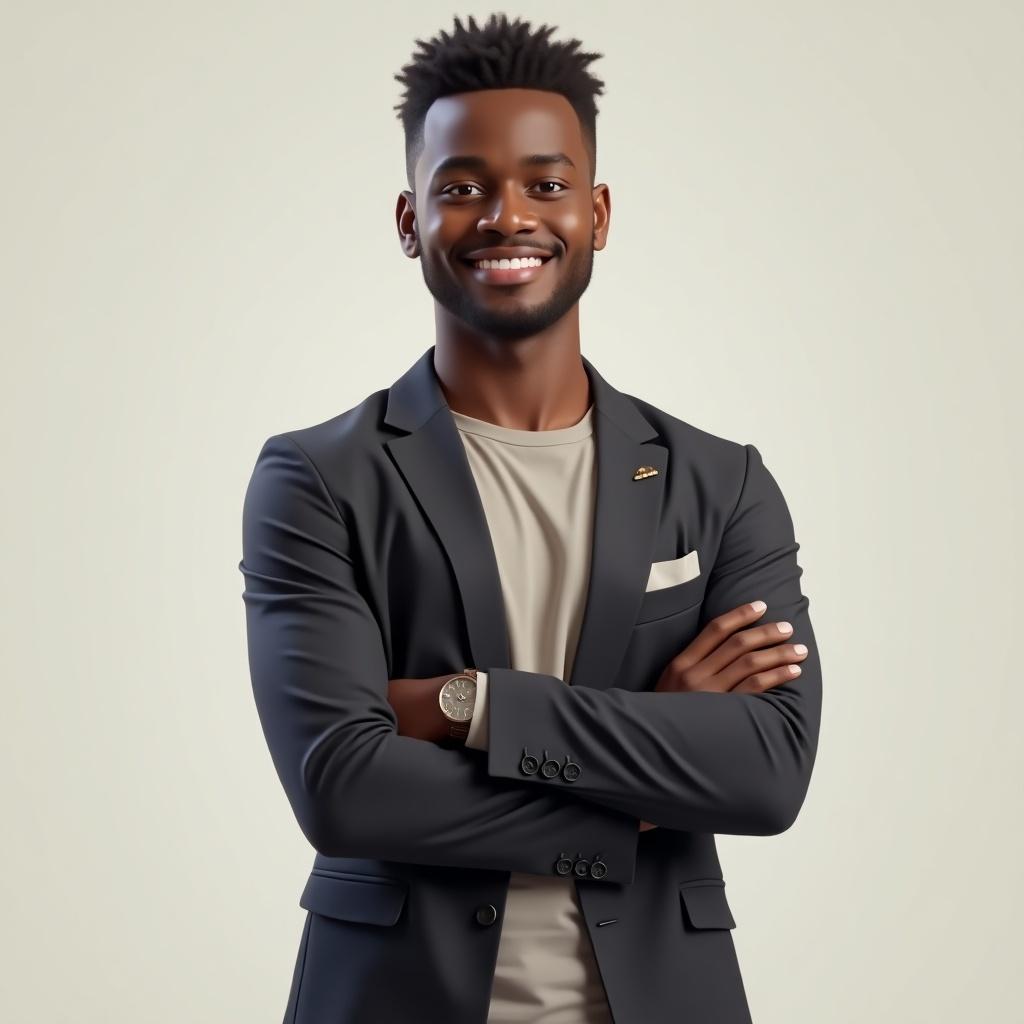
674,571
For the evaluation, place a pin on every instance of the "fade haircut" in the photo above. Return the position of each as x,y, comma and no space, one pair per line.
497,55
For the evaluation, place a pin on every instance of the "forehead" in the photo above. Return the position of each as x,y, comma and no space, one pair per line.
500,125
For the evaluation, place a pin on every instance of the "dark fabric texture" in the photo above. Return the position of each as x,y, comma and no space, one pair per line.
366,556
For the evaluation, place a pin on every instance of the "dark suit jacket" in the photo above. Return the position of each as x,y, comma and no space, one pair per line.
367,556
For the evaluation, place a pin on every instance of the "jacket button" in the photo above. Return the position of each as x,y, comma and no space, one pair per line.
571,771
563,866
598,869
486,914
582,867
549,769
529,764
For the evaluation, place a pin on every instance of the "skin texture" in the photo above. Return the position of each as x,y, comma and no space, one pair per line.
510,354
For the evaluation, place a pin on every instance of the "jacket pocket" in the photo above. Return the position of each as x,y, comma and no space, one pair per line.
366,900
665,601
705,904
673,571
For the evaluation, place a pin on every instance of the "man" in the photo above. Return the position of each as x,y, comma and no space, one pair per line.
521,644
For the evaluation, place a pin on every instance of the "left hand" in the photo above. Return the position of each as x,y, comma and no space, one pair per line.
416,704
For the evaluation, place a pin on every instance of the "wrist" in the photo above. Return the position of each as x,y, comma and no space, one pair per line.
454,710
441,723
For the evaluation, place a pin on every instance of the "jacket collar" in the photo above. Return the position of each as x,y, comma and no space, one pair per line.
432,459
417,395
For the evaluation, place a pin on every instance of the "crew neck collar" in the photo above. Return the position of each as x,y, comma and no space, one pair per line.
530,438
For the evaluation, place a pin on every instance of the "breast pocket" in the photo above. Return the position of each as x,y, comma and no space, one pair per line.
674,585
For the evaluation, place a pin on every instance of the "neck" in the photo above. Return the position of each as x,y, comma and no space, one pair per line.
529,384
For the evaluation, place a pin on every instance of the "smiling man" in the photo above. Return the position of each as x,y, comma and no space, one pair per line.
521,644
512,268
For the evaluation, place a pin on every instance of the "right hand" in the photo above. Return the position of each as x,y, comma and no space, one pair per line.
729,655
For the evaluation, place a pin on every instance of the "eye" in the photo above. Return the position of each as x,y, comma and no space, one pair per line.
462,184
466,184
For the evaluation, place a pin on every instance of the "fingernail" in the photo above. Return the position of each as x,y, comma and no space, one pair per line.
759,606
785,627
800,648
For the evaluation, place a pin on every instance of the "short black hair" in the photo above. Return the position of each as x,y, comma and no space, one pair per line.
497,55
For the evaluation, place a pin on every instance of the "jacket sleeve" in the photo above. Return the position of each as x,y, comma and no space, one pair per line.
704,762
319,676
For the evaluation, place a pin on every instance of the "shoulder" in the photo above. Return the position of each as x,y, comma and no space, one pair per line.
729,477
695,453
329,455
329,445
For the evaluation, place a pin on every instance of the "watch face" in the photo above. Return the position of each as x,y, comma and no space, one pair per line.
458,696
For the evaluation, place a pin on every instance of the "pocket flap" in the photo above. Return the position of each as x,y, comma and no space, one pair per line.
705,903
347,898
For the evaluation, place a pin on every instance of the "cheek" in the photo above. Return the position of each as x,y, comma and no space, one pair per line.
437,232
574,223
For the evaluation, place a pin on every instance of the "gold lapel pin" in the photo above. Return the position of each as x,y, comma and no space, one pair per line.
643,472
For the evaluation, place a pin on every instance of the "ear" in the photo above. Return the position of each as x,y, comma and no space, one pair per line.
405,220
602,215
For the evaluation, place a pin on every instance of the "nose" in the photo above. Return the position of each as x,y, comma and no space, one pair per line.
509,213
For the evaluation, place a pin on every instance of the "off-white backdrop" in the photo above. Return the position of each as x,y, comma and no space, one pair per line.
815,246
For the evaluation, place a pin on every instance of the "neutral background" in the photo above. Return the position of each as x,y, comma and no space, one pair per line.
816,247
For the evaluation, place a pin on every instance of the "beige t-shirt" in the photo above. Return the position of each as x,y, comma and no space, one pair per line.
538,489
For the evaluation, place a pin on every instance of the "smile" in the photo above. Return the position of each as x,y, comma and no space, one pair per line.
516,271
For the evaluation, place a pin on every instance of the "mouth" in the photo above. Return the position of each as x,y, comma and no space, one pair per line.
506,272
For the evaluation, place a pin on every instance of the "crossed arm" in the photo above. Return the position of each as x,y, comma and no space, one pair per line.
417,708
732,763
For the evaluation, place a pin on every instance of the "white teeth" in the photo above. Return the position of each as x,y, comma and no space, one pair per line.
514,264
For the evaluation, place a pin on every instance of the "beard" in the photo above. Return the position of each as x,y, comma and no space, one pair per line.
507,317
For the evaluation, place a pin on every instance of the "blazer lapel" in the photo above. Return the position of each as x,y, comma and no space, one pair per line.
433,461
435,466
626,516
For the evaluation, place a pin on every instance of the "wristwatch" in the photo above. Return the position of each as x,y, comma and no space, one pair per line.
457,699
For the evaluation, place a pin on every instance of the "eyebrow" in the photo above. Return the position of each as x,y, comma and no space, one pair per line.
478,163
